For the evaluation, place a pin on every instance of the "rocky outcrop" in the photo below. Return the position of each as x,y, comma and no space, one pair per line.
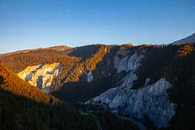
125,62
151,100
41,76
89,76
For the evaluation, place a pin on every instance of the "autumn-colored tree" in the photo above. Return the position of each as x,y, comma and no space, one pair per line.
186,50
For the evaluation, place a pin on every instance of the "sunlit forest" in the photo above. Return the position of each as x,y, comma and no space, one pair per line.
23,107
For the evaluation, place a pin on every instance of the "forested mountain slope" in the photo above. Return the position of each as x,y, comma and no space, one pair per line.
24,107
151,83
12,83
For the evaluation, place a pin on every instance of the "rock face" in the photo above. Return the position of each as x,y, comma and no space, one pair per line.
89,76
41,76
151,100
125,62
132,80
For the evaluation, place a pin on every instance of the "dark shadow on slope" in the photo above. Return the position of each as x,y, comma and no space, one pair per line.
84,52
104,79
20,113
155,60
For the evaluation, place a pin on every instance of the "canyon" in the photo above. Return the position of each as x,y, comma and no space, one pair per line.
133,82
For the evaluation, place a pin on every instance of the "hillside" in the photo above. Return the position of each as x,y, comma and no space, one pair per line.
20,113
25,107
13,84
189,39
150,83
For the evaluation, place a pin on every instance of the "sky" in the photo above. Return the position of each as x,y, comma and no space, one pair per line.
26,24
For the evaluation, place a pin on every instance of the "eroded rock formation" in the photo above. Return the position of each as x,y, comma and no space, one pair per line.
151,100
41,76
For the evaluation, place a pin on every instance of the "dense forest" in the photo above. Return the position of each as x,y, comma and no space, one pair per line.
23,107
173,62
12,83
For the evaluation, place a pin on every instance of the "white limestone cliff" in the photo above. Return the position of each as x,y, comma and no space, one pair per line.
41,76
151,100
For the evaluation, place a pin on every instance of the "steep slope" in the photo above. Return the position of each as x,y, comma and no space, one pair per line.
151,83
91,77
151,100
189,39
73,67
41,76
19,61
20,113
160,88
25,107
13,84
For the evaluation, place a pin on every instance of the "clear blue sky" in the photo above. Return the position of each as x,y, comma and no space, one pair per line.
41,23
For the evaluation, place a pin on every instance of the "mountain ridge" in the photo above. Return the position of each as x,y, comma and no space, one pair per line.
96,71
188,39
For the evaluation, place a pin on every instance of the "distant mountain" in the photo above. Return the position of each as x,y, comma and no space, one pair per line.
189,39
